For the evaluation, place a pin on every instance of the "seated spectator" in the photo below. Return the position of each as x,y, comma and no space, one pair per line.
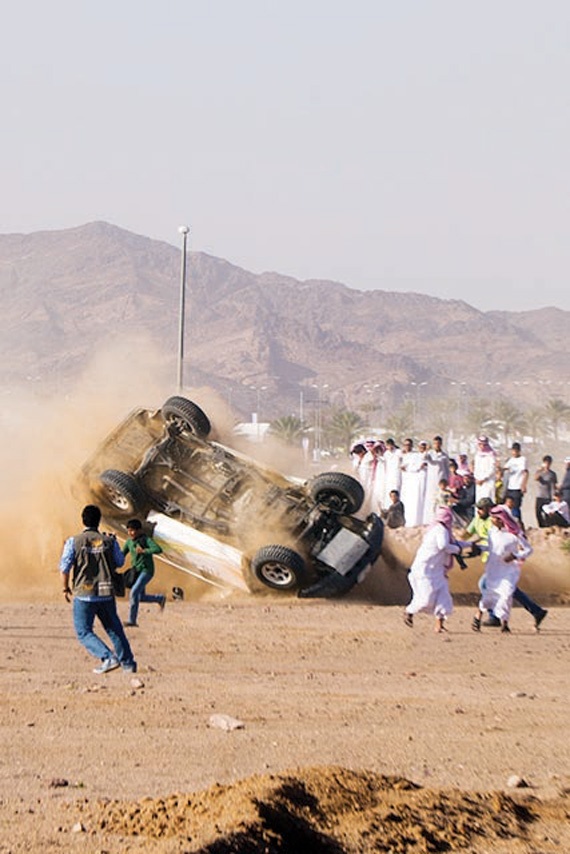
557,512
394,514
464,507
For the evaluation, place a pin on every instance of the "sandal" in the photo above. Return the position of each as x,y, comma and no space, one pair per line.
408,620
476,624
505,629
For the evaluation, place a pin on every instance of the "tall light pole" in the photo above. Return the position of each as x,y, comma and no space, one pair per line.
416,403
460,387
258,389
183,230
318,421
371,404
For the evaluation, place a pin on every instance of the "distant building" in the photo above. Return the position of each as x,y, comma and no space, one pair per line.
253,431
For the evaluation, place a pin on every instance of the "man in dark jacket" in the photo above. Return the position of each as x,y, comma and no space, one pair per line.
464,507
91,558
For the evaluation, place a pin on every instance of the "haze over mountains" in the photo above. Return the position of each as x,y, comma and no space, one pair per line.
69,294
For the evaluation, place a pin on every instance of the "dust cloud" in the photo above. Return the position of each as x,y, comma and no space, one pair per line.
45,440
48,436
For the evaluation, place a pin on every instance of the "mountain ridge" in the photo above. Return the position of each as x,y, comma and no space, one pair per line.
65,293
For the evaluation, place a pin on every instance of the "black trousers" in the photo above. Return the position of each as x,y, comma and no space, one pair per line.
555,519
540,502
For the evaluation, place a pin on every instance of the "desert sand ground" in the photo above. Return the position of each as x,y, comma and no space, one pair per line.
357,734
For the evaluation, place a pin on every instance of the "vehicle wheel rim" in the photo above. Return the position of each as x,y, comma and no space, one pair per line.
277,574
332,500
179,424
118,500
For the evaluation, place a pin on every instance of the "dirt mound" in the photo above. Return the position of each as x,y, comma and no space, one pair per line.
322,809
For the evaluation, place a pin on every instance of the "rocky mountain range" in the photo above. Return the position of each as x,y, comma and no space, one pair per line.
67,294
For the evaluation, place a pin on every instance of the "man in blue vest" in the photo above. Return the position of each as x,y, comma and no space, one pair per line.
91,558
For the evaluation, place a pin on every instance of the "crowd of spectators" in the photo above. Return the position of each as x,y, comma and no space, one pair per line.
407,485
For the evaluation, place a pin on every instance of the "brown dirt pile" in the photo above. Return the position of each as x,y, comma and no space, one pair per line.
323,809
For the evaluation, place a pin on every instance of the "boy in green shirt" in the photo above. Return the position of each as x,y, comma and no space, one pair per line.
480,524
478,529
141,549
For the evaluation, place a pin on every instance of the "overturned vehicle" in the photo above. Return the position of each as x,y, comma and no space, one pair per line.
221,515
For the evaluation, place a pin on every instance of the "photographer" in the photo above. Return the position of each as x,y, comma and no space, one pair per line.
92,557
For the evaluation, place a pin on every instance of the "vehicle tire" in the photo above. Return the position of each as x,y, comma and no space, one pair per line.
338,491
279,567
122,491
187,417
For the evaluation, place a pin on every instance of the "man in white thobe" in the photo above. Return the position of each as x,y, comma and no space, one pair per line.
392,471
412,492
484,470
437,469
428,574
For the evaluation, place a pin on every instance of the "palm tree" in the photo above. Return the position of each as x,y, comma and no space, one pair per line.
288,428
509,418
535,423
477,417
401,422
556,413
442,415
343,426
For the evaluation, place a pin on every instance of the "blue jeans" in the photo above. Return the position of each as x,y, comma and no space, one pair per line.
84,614
527,603
138,594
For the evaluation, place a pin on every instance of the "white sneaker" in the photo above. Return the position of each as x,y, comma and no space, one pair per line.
106,665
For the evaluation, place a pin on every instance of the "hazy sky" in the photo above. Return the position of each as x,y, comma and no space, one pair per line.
385,144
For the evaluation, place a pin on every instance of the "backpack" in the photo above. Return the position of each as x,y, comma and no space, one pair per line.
94,566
